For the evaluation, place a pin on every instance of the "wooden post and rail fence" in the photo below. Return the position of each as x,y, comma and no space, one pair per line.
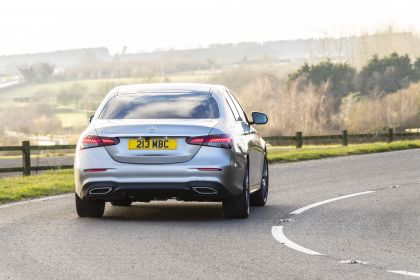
344,138
26,149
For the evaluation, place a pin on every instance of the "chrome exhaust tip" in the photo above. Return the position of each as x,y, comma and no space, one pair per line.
205,190
100,191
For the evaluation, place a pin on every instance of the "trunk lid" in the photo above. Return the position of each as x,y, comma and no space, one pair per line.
153,131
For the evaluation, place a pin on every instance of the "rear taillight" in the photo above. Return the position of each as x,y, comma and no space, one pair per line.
219,141
93,141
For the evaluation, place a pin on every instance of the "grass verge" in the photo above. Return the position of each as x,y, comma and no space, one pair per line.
61,181
48,183
291,154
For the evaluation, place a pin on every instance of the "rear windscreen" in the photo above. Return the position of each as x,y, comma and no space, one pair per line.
161,106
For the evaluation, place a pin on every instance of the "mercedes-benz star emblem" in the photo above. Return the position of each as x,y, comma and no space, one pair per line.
151,129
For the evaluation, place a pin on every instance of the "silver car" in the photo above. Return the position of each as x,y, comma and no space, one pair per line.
190,142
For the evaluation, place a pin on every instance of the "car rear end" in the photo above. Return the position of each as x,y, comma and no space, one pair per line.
158,145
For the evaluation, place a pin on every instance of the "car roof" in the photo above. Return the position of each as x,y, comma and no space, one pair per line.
167,87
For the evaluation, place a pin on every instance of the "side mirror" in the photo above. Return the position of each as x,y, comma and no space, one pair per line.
90,118
259,118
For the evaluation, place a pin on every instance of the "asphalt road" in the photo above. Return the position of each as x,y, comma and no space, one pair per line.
174,240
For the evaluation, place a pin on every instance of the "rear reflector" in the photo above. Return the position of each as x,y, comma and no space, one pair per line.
209,169
93,141
95,170
219,141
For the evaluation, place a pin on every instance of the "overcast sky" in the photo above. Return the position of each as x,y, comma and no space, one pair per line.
46,25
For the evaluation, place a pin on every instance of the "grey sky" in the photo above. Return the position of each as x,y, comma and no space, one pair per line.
45,25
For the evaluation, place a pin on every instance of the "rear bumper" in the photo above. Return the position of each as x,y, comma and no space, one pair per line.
178,180
188,191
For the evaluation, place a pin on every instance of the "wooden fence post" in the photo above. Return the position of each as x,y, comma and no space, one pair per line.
26,158
390,135
344,138
299,140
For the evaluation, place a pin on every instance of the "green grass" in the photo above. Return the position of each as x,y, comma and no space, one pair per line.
45,184
61,181
291,154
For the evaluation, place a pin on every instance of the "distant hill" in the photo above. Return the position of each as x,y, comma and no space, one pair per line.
61,59
355,50
231,53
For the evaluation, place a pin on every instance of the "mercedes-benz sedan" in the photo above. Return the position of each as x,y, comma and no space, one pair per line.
189,142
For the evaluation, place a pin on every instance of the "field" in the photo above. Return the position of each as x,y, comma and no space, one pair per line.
31,90
61,181
73,119
60,108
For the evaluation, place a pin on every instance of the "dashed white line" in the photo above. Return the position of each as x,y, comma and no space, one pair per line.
277,232
303,209
405,273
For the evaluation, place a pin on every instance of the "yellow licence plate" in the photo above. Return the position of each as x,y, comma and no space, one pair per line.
152,144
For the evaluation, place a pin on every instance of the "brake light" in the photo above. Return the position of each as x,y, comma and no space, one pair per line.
219,141
93,141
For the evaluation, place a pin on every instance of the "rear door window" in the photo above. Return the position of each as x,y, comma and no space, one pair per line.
232,110
238,107
232,106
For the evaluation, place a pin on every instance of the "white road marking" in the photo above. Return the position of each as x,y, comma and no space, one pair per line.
7,205
303,209
405,273
277,232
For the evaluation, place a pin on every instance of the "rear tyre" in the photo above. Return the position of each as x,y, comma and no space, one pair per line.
238,207
124,203
89,208
259,198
